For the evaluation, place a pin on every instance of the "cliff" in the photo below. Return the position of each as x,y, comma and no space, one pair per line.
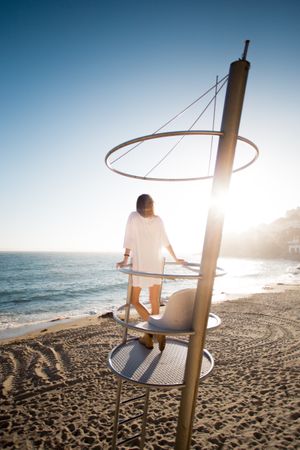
267,240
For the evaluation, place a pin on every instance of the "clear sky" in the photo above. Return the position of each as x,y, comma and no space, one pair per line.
79,77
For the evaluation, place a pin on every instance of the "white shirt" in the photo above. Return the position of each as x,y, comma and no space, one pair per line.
145,237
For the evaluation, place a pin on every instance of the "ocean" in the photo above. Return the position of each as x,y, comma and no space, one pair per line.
40,288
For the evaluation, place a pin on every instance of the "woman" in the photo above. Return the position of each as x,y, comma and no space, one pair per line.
145,237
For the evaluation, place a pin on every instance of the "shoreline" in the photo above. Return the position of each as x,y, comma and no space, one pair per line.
53,326
58,392
30,330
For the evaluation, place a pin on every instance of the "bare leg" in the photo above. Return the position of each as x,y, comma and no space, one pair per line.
146,339
154,298
135,301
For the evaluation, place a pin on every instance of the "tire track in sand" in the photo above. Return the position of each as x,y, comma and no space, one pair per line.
30,366
9,367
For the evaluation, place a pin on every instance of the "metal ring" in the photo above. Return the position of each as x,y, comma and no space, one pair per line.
170,276
169,134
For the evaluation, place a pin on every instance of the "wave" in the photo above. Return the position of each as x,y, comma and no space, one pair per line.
70,284
62,299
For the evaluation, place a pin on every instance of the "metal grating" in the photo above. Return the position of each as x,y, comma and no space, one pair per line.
134,362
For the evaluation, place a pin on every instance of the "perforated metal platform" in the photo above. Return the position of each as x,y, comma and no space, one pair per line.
152,368
136,324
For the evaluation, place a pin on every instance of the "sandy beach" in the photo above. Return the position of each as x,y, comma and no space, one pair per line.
58,393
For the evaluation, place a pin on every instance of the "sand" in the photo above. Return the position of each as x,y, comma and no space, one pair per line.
56,391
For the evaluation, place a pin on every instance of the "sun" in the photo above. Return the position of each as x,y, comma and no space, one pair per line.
241,212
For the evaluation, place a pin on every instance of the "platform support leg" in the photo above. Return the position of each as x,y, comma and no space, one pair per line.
116,420
144,421
127,310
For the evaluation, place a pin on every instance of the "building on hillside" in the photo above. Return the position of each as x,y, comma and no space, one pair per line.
294,247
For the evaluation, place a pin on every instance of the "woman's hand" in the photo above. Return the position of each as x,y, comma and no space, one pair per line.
180,261
122,263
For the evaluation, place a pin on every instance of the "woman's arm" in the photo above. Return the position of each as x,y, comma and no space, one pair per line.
124,262
172,253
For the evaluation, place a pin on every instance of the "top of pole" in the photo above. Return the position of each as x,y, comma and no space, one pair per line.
244,56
